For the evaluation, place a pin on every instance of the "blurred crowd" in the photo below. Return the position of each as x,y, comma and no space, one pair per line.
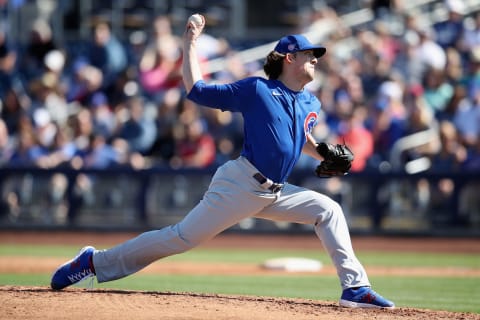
111,103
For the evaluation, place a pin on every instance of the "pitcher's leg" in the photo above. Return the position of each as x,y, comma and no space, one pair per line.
300,205
225,204
135,254
332,229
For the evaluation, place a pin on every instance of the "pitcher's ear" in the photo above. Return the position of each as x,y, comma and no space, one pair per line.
290,56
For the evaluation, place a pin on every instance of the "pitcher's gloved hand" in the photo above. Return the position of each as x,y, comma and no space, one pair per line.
337,160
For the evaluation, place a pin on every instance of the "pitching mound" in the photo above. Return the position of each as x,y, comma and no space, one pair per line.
43,303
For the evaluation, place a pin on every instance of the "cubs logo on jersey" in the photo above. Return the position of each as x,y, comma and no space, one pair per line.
310,122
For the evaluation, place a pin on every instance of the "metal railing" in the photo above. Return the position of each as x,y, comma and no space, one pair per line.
409,142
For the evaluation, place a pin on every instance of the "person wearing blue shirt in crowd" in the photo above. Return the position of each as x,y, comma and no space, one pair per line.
108,54
450,31
279,116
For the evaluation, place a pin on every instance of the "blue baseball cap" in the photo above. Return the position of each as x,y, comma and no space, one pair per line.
298,42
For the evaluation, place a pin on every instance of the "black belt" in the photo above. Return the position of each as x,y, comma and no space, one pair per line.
267,183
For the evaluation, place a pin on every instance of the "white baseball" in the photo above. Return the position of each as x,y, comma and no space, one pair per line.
196,19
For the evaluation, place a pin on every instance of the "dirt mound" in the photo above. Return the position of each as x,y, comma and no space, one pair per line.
43,303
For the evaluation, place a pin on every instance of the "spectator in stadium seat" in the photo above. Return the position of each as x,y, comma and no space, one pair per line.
458,98
467,121
60,152
471,37
420,119
437,91
408,61
383,9
233,70
107,53
46,92
430,54
40,42
454,70
100,154
7,144
159,68
227,130
84,82
374,70
44,128
343,109
450,31
15,105
163,148
127,158
104,120
389,117
8,60
159,65
26,150
386,43
451,153
358,138
139,130
447,159
467,116
472,77
195,147
82,127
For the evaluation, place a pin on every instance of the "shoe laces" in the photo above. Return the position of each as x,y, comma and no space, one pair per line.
370,296
86,279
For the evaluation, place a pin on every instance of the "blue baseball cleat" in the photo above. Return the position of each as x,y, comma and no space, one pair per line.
75,270
364,297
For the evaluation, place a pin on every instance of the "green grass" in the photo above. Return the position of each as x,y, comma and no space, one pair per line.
432,292
397,259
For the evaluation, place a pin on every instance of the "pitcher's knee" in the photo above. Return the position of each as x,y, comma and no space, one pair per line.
187,241
331,211
182,242
336,208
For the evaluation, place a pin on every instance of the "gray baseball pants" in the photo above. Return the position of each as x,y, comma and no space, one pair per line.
232,196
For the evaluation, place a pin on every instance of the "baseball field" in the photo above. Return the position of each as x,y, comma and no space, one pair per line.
428,278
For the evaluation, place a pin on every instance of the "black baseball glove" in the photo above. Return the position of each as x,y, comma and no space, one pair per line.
337,160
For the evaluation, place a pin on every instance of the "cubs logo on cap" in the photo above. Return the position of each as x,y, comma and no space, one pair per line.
298,42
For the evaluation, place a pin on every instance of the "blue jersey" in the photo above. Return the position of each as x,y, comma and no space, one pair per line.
276,120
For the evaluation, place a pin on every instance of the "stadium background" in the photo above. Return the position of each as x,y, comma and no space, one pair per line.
98,133
91,146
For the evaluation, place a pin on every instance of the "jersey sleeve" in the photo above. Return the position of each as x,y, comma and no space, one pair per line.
227,97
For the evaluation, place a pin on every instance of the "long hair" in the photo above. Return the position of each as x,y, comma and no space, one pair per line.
273,66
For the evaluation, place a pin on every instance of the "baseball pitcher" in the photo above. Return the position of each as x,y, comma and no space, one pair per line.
279,115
